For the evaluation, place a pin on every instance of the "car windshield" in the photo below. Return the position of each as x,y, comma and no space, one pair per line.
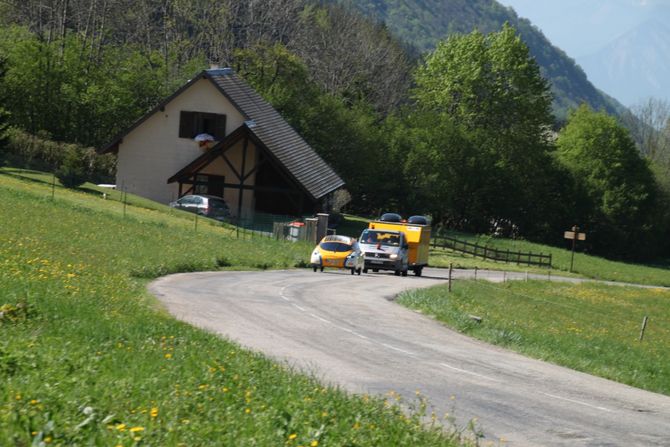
335,246
380,237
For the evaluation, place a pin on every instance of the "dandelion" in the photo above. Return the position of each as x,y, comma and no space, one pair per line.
292,436
34,402
357,425
247,410
121,427
136,429
154,412
314,443
168,356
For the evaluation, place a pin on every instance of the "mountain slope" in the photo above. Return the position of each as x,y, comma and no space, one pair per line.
425,22
634,66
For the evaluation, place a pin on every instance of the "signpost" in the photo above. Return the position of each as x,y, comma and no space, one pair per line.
575,235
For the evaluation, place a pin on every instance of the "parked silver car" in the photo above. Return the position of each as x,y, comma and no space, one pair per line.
204,205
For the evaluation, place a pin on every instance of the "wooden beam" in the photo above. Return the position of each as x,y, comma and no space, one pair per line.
245,147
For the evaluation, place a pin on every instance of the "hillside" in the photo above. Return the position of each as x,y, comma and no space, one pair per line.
425,22
636,65
87,358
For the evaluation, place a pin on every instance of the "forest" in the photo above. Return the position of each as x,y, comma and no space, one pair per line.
464,132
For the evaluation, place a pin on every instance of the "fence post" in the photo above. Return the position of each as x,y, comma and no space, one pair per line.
644,326
53,185
451,268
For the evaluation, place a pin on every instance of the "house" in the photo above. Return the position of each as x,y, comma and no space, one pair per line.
257,162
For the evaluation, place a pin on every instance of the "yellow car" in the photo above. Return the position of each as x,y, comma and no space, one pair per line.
342,252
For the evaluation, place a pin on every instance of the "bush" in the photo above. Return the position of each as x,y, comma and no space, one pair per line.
72,171
28,151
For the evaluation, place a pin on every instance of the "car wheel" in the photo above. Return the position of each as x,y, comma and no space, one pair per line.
365,270
375,270
417,271
404,272
397,273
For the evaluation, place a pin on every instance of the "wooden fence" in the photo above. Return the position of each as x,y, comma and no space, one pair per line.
494,254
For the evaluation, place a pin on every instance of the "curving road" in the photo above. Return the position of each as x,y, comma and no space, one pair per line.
347,331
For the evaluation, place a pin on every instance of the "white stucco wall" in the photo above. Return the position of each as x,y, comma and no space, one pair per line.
153,152
220,167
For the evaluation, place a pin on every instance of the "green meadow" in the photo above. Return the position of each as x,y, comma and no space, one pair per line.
589,327
87,357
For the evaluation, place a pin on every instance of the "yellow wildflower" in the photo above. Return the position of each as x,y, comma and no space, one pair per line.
314,443
154,412
292,436
136,429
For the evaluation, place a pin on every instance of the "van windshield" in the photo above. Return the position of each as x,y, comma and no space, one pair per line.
380,237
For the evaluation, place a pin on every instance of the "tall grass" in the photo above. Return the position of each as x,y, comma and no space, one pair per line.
589,327
86,358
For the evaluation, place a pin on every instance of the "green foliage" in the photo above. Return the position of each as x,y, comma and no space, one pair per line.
96,363
39,152
64,88
424,23
72,171
589,327
482,135
617,185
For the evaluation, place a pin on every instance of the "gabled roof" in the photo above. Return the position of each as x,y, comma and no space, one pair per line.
263,121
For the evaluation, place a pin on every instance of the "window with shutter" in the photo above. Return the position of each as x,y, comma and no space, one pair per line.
194,123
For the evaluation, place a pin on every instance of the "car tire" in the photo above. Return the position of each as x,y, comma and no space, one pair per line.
397,273
418,271
404,272
375,270
365,270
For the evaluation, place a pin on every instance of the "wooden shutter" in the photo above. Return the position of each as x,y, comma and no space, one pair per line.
186,124
219,131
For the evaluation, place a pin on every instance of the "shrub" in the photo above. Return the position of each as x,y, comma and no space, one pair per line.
72,171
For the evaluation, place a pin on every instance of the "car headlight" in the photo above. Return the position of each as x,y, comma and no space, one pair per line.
394,256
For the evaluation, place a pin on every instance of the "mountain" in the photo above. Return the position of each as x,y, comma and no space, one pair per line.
425,22
635,66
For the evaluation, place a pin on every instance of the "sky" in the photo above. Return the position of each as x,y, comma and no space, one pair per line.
581,27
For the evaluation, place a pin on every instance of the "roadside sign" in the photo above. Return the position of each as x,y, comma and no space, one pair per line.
571,235
574,235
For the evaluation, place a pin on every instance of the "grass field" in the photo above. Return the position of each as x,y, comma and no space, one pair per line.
590,327
88,358
584,265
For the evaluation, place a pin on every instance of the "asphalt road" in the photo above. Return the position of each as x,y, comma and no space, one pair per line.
347,330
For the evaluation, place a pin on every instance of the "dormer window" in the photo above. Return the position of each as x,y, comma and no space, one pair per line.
195,123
